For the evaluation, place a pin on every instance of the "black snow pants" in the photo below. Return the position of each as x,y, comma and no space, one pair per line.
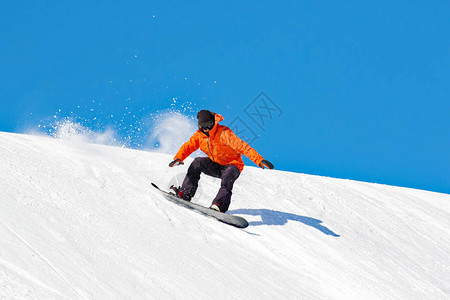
228,174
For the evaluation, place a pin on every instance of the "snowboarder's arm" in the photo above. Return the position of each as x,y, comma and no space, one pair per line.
188,148
241,147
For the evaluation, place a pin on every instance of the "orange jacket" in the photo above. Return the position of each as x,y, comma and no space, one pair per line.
222,146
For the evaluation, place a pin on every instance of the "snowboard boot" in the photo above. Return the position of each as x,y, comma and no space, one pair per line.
176,191
215,207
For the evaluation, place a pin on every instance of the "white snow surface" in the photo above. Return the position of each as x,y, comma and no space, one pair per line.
81,221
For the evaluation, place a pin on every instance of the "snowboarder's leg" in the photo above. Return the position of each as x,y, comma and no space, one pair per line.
223,198
199,165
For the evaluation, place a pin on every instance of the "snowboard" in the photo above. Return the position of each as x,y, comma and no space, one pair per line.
232,220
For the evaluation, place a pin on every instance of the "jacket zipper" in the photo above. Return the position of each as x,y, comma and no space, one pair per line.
210,150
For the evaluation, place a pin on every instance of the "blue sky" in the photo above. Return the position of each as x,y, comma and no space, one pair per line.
362,89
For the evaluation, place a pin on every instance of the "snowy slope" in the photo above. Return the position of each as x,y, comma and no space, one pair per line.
81,221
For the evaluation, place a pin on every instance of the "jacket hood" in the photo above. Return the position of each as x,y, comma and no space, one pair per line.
217,119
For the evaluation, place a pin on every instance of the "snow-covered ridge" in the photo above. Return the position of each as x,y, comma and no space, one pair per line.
81,221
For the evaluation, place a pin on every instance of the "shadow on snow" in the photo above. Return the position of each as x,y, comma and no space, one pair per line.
272,217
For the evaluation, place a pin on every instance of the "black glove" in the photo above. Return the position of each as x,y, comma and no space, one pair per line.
176,162
266,164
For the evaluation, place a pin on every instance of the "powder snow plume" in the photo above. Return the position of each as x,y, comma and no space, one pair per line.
170,130
161,131
70,130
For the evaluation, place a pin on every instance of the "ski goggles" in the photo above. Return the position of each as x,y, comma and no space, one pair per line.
206,125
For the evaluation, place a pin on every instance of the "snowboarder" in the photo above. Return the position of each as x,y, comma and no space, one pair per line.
224,150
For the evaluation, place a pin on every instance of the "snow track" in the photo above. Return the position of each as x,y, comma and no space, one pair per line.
81,221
